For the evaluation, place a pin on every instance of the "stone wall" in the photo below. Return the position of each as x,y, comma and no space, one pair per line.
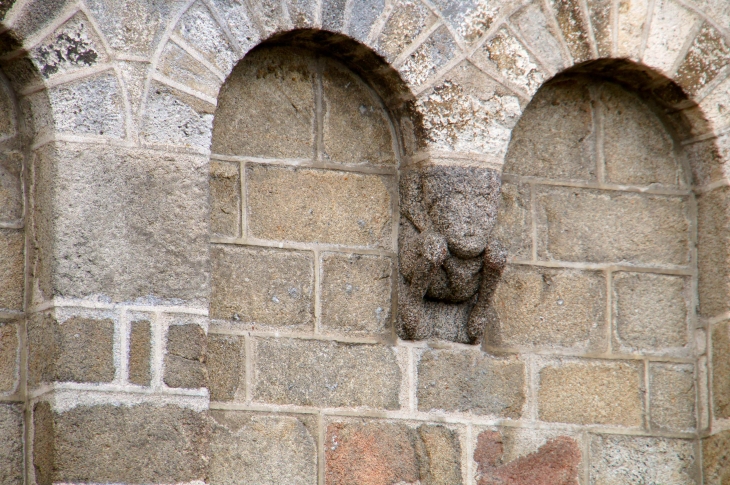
210,281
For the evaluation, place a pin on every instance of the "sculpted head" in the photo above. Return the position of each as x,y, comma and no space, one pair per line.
462,203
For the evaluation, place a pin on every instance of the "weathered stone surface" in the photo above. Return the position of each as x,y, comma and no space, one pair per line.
468,112
535,306
226,366
572,23
716,459
637,148
9,357
672,396
303,13
471,18
266,450
707,55
363,16
12,265
383,453
671,24
651,311
599,12
356,128
82,350
325,206
430,57
72,46
356,293
90,106
472,382
133,223
554,463
509,57
119,444
176,118
199,29
185,358
514,221
11,452
533,24
140,350
279,117
633,459
333,14
11,188
721,369
329,374
271,16
133,26
176,64
632,18
713,251
408,19
594,392
555,137
225,198
259,286
604,226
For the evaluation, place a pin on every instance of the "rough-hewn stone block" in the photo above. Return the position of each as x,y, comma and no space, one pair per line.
633,459
120,444
383,453
713,251
431,56
408,19
11,451
592,392
185,358
259,286
12,278
226,366
199,28
606,226
716,459
572,23
11,189
514,221
535,306
555,137
225,198
176,64
533,25
356,128
279,115
316,373
472,382
721,369
707,55
266,450
140,350
356,293
672,396
9,357
325,206
123,223
651,311
637,148
77,350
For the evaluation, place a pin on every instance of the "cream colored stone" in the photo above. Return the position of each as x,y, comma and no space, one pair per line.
670,27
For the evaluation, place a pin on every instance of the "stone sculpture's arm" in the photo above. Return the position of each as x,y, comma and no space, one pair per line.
495,259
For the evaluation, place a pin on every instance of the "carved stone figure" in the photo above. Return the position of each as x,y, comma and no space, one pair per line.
449,264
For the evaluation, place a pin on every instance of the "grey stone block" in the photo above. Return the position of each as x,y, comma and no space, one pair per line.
328,374
266,450
408,19
11,436
633,459
185,358
297,204
672,396
226,364
140,350
266,287
9,357
120,444
133,224
356,292
225,198
469,381
608,226
12,269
